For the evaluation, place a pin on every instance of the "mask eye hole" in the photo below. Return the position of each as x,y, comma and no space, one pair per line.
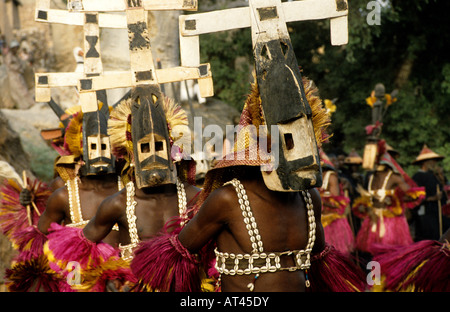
93,146
103,147
159,146
145,148
265,52
284,48
289,141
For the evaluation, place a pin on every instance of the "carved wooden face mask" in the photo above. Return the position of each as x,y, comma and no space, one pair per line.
96,143
153,165
284,104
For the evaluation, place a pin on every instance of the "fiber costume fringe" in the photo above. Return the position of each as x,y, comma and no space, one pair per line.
30,270
421,267
98,262
34,274
163,264
387,231
387,226
338,232
112,270
66,244
168,266
13,216
390,226
333,271
335,223
334,220
30,240
320,116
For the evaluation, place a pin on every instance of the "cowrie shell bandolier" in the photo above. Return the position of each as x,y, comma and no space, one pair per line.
260,261
126,251
75,206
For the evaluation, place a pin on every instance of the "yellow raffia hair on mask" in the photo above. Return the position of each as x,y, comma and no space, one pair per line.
252,114
119,124
177,123
119,129
253,105
320,117
73,139
175,114
69,112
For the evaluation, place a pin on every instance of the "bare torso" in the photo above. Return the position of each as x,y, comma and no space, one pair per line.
154,207
385,180
92,191
282,223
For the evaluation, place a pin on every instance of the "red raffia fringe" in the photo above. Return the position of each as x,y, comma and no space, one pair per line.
422,266
114,269
415,193
66,244
33,275
397,233
30,270
339,234
30,242
163,264
13,216
333,271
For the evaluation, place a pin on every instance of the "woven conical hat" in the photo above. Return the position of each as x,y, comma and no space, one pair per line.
325,161
425,154
391,150
353,158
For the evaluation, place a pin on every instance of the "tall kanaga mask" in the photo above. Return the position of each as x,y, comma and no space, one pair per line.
96,143
81,139
150,135
284,104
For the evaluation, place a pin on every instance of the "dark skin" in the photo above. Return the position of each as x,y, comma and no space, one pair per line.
333,184
333,187
395,180
92,191
155,206
56,183
282,222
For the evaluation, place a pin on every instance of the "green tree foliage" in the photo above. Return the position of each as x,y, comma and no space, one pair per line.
230,56
408,51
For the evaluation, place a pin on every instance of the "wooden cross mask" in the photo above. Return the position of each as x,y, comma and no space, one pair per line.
283,99
150,134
